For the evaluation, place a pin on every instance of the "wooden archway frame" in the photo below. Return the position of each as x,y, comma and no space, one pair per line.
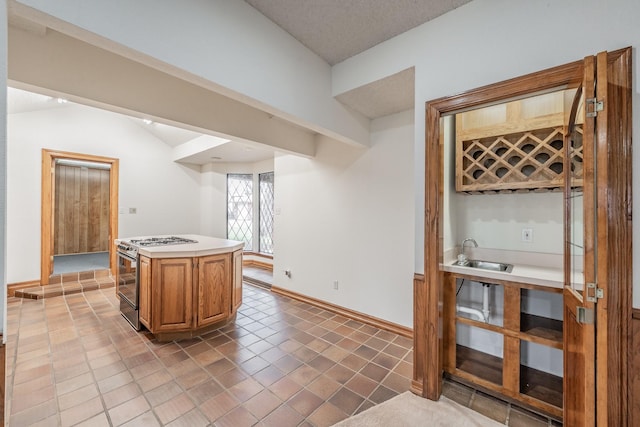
47,203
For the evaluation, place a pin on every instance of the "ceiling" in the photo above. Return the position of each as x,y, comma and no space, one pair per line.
337,29
333,29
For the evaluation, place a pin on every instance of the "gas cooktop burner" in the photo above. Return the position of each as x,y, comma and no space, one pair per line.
161,241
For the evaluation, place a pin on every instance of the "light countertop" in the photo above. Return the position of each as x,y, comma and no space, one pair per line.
206,246
532,268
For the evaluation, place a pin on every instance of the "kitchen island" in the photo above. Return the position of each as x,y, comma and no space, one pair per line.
188,289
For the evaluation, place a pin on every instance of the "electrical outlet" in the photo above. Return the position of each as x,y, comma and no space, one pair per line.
527,235
335,284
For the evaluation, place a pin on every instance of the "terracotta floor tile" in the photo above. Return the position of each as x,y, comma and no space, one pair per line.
346,400
174,408
238,417
163,393
218,406
78,396
375,372
115,381
362,385
99,420
324,387
246,389
278,364
305,402
268,375
45,411
283,416
81,412
121,395
262,404
382,394
285,388
128,410
148,419
340,373
327,415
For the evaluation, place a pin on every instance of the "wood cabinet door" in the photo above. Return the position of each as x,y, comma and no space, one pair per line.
214,277
172,294
144,295
236,288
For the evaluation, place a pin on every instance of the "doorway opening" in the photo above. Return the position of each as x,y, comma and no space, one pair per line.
79,213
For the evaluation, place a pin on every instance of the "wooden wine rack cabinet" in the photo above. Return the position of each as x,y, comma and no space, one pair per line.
528,160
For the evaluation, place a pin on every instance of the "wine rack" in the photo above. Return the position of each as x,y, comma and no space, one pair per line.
531,160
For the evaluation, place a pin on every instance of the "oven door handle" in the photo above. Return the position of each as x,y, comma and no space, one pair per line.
126,256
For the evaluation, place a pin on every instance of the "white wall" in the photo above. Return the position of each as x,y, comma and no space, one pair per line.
165,194
347,215
226,43
487,41
3,171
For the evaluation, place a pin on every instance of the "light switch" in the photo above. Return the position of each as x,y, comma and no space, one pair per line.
527,235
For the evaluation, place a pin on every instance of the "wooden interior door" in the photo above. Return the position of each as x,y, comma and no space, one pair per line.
81,209
597,303
580,269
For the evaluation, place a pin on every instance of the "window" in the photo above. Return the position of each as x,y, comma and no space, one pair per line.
265,181
240,208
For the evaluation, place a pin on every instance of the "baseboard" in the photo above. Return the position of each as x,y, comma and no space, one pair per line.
257,264
13,287
635,313
351,314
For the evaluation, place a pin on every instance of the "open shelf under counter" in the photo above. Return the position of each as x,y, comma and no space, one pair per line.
541,386
542,330
479,364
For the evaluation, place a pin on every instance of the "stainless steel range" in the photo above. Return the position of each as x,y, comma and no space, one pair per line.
128,276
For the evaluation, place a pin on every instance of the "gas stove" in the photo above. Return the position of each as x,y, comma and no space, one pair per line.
131,247
160,241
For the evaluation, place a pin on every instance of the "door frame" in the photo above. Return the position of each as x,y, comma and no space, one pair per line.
48,206
428,293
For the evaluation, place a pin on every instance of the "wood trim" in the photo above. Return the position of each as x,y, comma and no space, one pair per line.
257,264
568,75
351,314
420,333
614,200
258,254
13,287
47,203
634,369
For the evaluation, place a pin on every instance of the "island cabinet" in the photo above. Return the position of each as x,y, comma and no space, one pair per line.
185,297
515,352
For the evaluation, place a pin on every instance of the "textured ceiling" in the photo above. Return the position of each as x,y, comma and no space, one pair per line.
338,29
335,30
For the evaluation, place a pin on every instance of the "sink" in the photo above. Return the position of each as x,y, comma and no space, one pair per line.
487,265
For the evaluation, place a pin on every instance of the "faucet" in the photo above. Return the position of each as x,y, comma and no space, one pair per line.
462,258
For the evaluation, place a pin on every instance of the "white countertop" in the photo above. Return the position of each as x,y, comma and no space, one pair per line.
205,245
533,268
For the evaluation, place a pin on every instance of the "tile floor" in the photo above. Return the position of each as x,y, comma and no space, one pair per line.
73,360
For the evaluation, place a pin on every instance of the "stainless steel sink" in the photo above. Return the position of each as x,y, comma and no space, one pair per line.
487,265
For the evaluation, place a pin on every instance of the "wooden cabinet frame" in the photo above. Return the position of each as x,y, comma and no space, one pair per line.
614,237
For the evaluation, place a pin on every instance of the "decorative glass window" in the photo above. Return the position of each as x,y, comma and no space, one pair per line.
240,209
266,212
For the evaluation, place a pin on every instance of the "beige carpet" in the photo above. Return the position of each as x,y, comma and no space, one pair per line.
410,410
